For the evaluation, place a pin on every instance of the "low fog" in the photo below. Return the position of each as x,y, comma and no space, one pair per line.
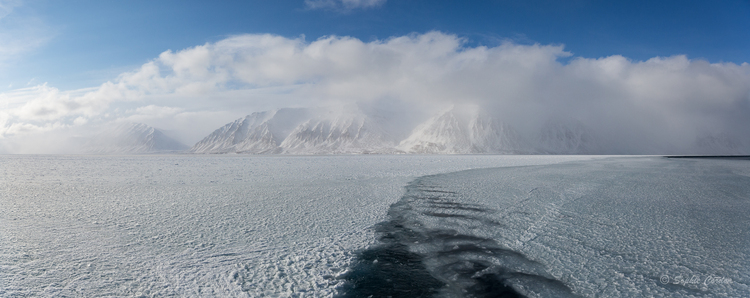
665,105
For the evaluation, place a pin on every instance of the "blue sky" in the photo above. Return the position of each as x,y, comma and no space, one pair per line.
666,70
85,43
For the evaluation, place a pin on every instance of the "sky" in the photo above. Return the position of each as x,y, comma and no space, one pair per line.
653,70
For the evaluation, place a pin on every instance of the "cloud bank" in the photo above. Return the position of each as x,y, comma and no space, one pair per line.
654,106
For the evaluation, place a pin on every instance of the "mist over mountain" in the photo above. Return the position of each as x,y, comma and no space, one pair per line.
721,144
257,133
568,136
457,129
464,130
338,133
131,138
299,131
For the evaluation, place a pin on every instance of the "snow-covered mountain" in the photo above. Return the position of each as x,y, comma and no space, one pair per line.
299,131
567,136
463,130
338,133
132,138
257,133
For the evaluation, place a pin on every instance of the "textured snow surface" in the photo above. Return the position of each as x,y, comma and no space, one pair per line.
615,227
197,225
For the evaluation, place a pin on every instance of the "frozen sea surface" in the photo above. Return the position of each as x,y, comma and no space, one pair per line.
613,227
186,225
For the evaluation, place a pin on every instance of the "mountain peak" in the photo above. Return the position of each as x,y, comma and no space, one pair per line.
463,129
131,138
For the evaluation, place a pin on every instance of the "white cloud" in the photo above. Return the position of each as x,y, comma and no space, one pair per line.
80,121
343,5
193,91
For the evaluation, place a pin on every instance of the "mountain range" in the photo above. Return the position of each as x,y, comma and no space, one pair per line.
458,130
303,131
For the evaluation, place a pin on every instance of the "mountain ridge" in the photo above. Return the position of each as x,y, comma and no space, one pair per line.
458,130
132,138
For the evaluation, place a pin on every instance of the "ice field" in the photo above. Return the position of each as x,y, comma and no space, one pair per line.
613,227
310,226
